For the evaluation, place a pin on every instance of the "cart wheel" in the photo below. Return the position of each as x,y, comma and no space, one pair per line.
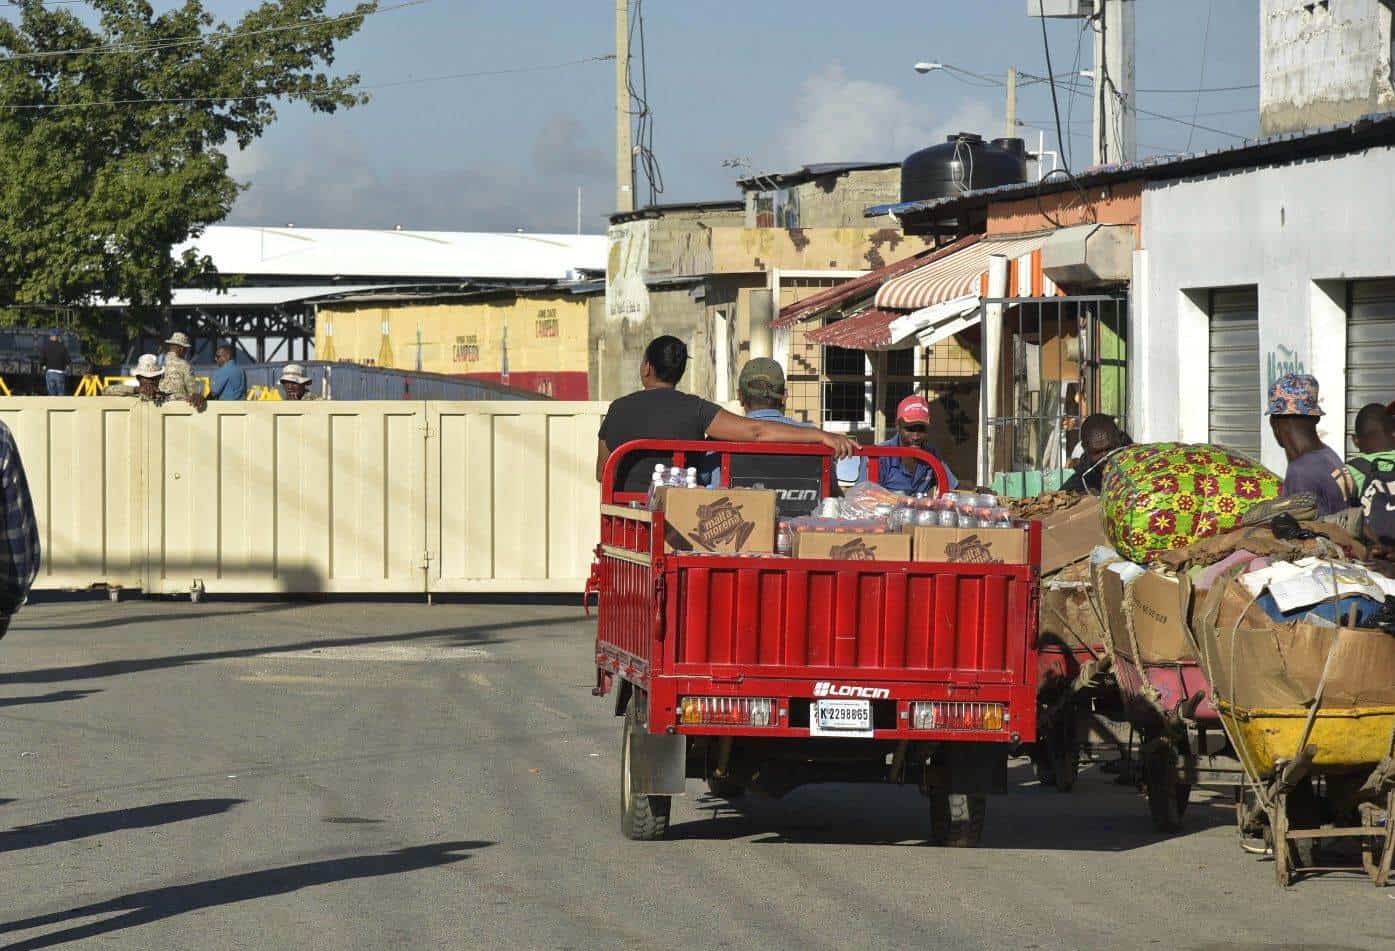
956,819
725,788
1041,763
1167,795
642,818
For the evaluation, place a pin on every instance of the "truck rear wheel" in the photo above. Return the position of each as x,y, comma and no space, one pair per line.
642,818
956,819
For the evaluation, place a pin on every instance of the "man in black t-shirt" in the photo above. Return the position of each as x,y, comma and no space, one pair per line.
659,411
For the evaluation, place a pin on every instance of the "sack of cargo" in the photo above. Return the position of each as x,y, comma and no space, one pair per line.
1160,497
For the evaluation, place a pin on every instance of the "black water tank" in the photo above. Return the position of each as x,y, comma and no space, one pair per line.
963,162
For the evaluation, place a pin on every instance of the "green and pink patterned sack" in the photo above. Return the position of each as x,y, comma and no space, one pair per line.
1160,497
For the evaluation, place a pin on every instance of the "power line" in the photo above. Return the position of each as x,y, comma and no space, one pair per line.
1205,89
1201,82
204,37
1051,80
38,106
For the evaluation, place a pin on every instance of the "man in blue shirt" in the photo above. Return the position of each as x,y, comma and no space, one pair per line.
229,380
913,431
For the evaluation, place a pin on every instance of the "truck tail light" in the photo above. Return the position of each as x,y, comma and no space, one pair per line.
727,711
957,715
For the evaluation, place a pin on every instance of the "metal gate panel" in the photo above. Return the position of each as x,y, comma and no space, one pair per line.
1370,348
85,482
287,497
1235,400
512,495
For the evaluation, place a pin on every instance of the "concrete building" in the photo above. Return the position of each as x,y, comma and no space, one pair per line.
1323,62
820,196
697,272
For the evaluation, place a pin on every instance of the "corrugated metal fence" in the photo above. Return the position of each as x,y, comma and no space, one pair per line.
400,496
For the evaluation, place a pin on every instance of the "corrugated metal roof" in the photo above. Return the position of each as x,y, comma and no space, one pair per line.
959,275
807,173
658,211
865,285
1369,131
359,253
865,331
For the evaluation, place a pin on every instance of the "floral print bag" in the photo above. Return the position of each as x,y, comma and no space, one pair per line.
1159,497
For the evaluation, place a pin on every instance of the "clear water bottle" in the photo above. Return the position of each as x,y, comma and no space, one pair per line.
690,479
655,484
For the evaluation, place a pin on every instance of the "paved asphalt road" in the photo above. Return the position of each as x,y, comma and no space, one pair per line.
350,775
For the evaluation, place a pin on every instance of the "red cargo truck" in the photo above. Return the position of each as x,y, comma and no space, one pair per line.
766,673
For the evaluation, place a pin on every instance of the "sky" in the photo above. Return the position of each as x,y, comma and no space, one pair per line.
776,84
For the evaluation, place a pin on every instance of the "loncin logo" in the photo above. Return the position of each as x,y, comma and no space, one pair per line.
825,689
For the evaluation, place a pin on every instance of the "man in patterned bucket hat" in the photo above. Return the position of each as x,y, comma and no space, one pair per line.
1313,467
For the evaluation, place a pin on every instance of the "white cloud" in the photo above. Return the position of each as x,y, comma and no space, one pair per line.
838,119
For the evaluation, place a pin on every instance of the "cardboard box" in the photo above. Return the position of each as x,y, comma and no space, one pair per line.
1070,535
730,521
853,546
980,545
1158,620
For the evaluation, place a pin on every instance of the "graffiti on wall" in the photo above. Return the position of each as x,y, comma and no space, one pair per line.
1279,361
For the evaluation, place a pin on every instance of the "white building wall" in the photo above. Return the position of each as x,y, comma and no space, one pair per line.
1298,232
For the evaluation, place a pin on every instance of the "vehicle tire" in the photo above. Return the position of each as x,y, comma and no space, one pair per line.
642,818
1042,763
956,819
1167,795
725,788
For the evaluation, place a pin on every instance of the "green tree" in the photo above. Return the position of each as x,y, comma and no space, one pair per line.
114,123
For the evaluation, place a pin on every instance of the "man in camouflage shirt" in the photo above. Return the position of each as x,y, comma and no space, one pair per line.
178,383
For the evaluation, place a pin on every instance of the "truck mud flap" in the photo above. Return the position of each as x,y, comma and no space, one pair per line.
968,768
660,764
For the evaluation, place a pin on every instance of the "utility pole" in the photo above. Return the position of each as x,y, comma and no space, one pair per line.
624,145
1115,121
1012,102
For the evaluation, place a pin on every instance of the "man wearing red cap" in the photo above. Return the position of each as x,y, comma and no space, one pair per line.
913,431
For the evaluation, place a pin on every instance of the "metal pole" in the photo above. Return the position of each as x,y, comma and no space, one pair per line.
1012,102
1115,122
624,145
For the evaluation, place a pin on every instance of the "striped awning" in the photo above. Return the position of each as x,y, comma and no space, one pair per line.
965,274
869,330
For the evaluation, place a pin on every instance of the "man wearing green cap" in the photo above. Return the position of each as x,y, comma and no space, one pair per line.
761,390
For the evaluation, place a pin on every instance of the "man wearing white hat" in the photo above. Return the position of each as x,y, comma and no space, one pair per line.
148,374
295,385
178,382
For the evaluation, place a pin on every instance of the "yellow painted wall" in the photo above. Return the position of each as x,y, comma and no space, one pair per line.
545,333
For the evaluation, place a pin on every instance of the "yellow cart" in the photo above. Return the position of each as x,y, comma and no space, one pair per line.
1310,710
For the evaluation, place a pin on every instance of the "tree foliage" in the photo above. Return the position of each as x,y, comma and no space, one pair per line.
114,123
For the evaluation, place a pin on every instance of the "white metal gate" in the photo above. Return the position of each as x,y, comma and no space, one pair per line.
1235,403
1370,347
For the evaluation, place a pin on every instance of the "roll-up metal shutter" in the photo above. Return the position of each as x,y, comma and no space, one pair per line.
1370,347
1235,404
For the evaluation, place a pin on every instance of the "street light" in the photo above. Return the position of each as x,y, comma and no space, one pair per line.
924,68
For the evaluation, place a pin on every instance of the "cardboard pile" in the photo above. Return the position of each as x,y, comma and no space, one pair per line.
725,521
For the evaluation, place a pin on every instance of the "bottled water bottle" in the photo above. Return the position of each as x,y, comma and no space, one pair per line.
690,479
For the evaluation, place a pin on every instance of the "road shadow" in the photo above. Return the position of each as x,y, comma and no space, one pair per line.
1098,818
157,904
477,635
101,823
115,619
58,696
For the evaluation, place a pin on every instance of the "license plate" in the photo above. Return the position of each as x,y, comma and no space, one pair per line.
841,718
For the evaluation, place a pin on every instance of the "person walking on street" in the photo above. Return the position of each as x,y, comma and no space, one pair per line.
230,380
20,555
295,385
1312,466
55,358
178,382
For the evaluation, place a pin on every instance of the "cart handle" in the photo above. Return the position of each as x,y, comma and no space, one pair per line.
681,448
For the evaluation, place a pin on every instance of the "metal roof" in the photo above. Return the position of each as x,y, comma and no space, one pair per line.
360,253
658,211
958,275
806,173
1367,132
255,296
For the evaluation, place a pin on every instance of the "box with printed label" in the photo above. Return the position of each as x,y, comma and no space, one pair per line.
853,546
727,521
976,545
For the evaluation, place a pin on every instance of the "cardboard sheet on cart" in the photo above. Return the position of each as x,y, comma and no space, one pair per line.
1270,665
1153,605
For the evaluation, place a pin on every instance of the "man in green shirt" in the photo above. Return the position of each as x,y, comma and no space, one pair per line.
1373,470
